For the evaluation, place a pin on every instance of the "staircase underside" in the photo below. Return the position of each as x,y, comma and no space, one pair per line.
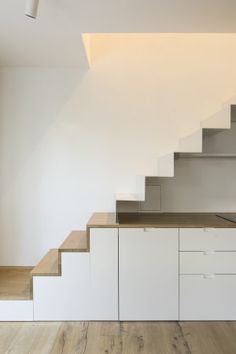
193,146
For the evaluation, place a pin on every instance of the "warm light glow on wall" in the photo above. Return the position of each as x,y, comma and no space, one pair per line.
101,45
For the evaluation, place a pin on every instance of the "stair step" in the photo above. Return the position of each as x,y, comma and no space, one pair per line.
15,283
49,265
127,196
77,241
101,219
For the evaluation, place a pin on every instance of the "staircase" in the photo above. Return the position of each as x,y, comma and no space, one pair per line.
75,281
188,146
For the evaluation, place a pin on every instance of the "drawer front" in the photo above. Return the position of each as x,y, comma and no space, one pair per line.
207,239
207,298
208,262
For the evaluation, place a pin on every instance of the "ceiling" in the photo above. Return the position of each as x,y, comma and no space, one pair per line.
54,39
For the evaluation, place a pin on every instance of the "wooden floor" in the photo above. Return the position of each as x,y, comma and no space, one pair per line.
15,283
117,338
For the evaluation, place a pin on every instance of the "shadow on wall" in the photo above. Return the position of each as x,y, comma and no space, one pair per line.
31,102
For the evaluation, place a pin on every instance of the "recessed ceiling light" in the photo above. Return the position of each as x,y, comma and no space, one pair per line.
31,8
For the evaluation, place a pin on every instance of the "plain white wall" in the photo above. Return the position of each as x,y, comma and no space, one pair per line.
71,138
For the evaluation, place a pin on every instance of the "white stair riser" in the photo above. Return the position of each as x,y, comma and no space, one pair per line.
16,310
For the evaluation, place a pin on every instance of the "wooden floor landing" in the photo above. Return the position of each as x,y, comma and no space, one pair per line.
15,283
118,338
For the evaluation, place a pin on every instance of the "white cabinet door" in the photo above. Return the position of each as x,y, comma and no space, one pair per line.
104,274
148,274
207,297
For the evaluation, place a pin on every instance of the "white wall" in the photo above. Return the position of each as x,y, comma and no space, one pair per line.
71,138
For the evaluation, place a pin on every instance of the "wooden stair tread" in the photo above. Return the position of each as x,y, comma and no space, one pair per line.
49,265
103,220
15,283
77,241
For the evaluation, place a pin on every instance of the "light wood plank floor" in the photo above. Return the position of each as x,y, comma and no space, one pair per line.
118,338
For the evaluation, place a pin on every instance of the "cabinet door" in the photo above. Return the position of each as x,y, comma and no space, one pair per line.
103,302
207,297
148,274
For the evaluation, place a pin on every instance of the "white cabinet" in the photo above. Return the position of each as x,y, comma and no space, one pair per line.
207,274
142,274
207,297
104,274
148,274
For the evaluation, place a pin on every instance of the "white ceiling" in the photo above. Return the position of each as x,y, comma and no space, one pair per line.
54,39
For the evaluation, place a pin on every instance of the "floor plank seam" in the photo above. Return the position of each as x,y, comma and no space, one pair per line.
185,341
121,331
86,338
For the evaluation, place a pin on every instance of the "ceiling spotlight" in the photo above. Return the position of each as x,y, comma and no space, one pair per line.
31,8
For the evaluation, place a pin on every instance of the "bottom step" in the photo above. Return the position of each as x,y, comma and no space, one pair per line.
16,294
15,283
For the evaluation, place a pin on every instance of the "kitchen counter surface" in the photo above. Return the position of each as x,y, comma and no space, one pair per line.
159,220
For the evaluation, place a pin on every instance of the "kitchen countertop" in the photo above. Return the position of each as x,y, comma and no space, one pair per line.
159,220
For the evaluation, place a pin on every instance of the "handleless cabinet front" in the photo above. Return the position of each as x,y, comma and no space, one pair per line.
148,274
208,274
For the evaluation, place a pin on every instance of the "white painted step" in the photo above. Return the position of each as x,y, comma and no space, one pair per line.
191,142
220,119
166,165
